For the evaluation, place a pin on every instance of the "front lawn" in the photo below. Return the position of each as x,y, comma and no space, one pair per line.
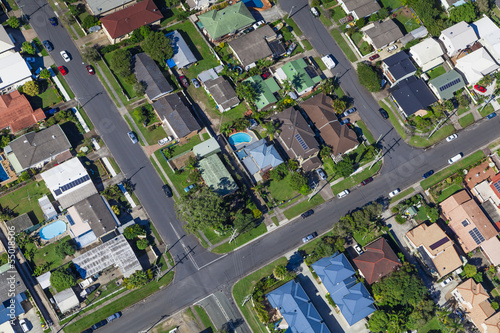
486,110
439,135
365,131
363,238
466,120
324,18
178,179
241,239
337,13
44,100
303,206
448,192
320,63
152,133
294,26
127,87
356,179
25,199
461,110
281,190
392,4
434,73
337,35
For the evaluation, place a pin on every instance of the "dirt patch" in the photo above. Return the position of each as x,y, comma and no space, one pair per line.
184,322
179,162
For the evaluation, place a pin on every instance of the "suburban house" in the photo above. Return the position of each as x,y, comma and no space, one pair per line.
359,8
66,300
20,223
382,34
267,90
476,64
298,312
6,44
418,33
473,299
489,36
147,72
175,113
412,96
303,77
427,54
209,74
398,67
14,72
35,149
222,93
450,4
183,56
200,4
467,221
121,24
377,261
298,139
339,279
251,47
320,111
216,176
206,148
91,219
260,157
16,112
69,182
101,8
445,85
12,294
457,38
434,248
115,252
227,21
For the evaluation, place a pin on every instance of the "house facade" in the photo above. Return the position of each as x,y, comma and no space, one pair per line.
303,78
458,38
427,54
175,113
360,8
412,97
382,34
222,93
16,113
377,261
445,85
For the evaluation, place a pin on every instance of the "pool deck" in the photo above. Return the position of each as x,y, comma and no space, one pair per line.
265,6
8,169
244,144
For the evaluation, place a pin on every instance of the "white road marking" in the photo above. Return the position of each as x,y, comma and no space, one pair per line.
55,13
185,248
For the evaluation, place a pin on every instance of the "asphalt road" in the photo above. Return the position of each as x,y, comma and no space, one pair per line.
198,275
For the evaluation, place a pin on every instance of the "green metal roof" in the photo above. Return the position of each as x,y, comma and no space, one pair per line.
295,71
265,89
208,147
216,176
219,23
447,83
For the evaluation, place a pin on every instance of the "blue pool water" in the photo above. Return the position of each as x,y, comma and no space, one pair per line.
239,137
3,174
253,3
52,230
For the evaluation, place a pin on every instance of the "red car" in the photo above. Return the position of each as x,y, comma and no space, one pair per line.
62,70
184,81
90,69
480,88
265,75
366,181
373,57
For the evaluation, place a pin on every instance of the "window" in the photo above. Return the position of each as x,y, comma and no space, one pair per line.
465,222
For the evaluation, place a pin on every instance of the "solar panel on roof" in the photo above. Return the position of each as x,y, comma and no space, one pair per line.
497,185
439,243
449,84
476,236
57,192
72,184
465,222
311,72
301,141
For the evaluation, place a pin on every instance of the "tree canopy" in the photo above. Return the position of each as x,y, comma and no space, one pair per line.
13,22
31,88
368,77
247,91
61,280
120,62
133,231
157,46
466,12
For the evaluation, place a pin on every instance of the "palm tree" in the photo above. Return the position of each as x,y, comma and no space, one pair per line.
455,325
226,129
271,129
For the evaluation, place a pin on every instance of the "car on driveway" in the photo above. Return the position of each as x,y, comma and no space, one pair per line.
428,174
373,57
309,237
445,282
99,324
183,81
491,115
451,138
65,56
167,190
367,181
90,69
195,83
307,214
290,50
88,291
344,121
53,21
383,113
348,112
321,174
62,70
479,88
188,188
48,45
394,193
164,141
343,194
24,325
265,75
114,316
392,48
358,249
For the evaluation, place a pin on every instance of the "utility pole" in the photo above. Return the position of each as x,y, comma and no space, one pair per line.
233,236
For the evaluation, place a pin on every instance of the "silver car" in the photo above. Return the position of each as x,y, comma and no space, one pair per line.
132,137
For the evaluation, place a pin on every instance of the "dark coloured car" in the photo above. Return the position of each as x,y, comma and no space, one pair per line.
344,121
88,330
383,113
491,115
62,70
167,190
366,181
53,21
88,290
184,81
99,324
307,214
373,57
428,174
90,69
48,46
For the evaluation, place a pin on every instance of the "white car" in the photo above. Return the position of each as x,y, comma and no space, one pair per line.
24,325
445,282
343,194
164,141
65,56
314,11
329,62
358,249
258,24
394,193
392,48
451,138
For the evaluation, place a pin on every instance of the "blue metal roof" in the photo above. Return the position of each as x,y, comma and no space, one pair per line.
265,157
6,306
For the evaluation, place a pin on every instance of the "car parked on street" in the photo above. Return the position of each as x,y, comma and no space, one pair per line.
90,69
53,21
65,56
195,83
428,174
309,237
48,45
451,138
394,193
366,181
383,113
321,174
491,115
114,316
314,11
62,70
132,137
167,190
343,194
307,214
479,88
373,57
99,324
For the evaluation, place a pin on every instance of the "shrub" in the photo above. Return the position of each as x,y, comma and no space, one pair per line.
61,279
133,231
31,88
13,22
400,219
142,244
89,21
27,47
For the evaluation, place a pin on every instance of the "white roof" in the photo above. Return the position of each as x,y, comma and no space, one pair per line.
44,280
5,41
460,35
489,36
13,69
66,300
47,208
182,53
426,51
476,65
100,6
6,327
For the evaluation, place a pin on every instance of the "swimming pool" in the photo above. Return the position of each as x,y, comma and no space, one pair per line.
239,137
52,230
3,174
253,3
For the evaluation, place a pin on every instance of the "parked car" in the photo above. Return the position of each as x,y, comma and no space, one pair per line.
392,48
87,282
88,291
307,214
366,181
30,59
88,330
114,316
479,88
258,24
167,190
164,141
65,56
321,174
343,194
344,121
314,11
375,56
187,189
348,112
358,249
265,75
195,83
451,138
48,45
291,48
309,237
24,325
383,113
445,282
394,193
53,21
62,70
90,69
328,61
183,81
132,137
99,324
491,115
428,174
455,158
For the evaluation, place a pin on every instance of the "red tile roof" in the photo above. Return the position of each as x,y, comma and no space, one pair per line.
16,112
127,20
377,261
495,184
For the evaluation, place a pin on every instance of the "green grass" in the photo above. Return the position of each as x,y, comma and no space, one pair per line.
281,190
339,92
462,110
205,319
46,99
131,125
460,165
12,4
179,180
307,45
357,37
366,132
47,254
394,118
169,16
127,87
241,239
25,199
86,118
486,110
40,47
433,326
343,45
324,18
275,220
78,30
112,81
447,192
64,83
406,23
466,120
213,237
235,113
294,26
434,73
158,170
244,287
401,195
337,13
320,63
439,135
151,136
114,164
363,238
393,4
356,179
303,206
120,304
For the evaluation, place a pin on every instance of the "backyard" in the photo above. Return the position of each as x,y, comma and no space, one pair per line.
48,96
392,4
363,46
434,73
28,195
405,20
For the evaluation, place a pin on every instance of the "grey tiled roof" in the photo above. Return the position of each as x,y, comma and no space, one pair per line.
147,71
174,109
96,213
222,92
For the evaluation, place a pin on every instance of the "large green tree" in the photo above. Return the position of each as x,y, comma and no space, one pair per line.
120,62
243,222
158,47
466,12
31,88
27,47
368,77
344,167
379,322
247,91
61,280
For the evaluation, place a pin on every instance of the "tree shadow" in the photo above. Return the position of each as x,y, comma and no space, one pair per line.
73,134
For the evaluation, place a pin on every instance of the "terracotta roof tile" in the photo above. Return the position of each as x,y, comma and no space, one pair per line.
377,261
16,112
